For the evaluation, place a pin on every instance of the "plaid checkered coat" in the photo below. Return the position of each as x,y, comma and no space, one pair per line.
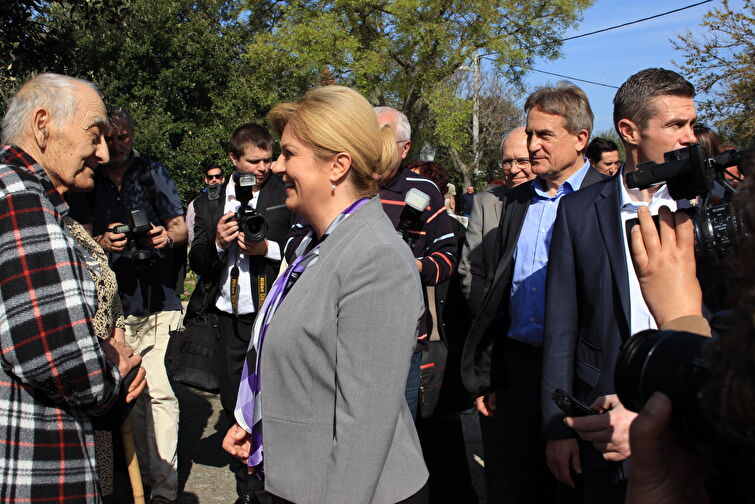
53,374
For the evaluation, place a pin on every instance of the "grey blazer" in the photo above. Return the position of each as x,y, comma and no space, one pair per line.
479,257
334,365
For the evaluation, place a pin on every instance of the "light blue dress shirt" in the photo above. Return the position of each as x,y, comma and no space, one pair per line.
527,304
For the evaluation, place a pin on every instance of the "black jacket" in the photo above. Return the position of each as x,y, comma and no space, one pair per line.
203,257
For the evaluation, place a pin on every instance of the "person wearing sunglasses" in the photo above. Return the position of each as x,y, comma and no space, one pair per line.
213,176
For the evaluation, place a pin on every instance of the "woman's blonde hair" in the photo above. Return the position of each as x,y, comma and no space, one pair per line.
333,119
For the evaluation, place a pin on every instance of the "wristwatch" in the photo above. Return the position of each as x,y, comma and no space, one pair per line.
170,243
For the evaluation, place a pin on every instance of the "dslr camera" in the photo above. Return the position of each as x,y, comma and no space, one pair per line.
136,233
690,174
251,222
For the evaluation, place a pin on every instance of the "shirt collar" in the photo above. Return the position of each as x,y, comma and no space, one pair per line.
630,198
397,183
570,185
17,157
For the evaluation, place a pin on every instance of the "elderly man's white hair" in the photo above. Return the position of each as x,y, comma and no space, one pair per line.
403,128
55,92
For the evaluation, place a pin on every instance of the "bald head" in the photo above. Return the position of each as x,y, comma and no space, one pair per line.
515,158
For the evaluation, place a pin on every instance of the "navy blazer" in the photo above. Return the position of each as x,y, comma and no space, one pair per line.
587,300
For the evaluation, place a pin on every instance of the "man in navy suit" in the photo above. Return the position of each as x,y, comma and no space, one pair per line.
502,355
593,300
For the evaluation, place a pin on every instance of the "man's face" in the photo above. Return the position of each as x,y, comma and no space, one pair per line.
609,163
515,159
120,141
403,145
214,177
74,149
669,129
254,160
552,148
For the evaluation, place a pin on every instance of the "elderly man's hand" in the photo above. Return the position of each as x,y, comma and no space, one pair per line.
562,455
125,360
665,265
608,431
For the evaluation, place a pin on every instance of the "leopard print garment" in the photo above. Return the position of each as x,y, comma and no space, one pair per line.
109,310
109,315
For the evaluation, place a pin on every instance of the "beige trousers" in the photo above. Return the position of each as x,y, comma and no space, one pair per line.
155,414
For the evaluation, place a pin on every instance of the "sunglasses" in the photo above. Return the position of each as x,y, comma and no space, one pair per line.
214,177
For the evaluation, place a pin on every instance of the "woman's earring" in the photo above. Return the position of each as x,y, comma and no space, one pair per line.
332,187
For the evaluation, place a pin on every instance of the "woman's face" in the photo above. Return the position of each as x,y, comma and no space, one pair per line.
305,176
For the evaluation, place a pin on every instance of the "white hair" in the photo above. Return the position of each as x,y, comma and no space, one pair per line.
403,128
55,92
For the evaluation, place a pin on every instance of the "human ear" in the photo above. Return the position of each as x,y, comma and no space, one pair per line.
340,166
581,140
41,123
628,131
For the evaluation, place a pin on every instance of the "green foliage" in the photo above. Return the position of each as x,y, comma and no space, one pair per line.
190,71
722,64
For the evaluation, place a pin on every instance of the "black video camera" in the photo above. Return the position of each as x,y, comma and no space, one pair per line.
690,174
675,363
136,233
410,220
251,222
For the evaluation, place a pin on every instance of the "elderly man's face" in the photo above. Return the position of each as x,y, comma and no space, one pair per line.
74,149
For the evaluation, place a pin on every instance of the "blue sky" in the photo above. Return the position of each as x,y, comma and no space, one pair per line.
613,56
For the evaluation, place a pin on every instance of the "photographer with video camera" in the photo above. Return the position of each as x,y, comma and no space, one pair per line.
693,439
237,248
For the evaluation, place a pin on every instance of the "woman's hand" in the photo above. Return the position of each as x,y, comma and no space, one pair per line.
665,265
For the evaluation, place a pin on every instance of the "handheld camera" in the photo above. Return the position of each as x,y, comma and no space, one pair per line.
251,222
690,174
136,233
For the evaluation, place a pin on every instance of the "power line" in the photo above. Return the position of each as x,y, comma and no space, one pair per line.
610,28
634,22
575,78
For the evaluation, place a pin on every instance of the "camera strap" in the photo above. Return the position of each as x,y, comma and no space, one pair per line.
261,290
235,288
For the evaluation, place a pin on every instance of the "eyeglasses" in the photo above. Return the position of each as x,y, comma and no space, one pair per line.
214,177
506,164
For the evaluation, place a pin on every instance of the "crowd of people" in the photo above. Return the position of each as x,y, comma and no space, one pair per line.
357,313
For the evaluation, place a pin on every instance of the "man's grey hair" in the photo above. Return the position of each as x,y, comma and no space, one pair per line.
55,92
634,99
565,100
403,128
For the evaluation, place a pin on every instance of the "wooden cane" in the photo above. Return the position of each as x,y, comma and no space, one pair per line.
127,434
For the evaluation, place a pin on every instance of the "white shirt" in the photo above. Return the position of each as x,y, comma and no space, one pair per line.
640,317
232,255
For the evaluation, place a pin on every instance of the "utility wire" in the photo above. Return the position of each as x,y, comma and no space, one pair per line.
610,28
634,22
574,78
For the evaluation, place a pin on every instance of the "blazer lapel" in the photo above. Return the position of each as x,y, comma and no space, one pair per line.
609,220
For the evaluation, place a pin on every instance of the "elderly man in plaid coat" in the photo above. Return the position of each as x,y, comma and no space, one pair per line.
54,373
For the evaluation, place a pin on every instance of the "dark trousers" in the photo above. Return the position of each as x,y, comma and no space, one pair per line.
421,497
513,447
412,384
235,333
602,481
445,454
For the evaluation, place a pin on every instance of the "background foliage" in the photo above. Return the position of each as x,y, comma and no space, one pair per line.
190,71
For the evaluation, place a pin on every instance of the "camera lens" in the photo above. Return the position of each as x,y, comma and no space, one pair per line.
670,362
255,228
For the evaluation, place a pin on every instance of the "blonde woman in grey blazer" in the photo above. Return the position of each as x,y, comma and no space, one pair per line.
339,327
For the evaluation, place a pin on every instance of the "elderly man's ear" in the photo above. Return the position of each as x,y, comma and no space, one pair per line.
40,127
